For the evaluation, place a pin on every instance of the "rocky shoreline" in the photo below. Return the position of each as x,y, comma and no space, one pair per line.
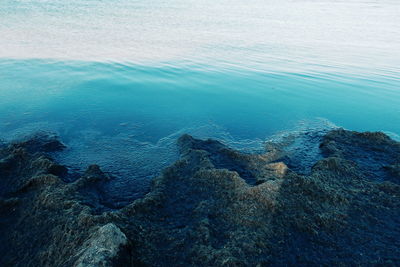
213,207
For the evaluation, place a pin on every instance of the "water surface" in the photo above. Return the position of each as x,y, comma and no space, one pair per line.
119,81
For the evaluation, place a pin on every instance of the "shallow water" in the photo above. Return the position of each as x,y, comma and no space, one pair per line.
120,81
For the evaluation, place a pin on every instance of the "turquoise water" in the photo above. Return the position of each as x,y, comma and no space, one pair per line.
119,81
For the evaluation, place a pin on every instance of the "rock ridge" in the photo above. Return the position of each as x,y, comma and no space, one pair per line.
215,206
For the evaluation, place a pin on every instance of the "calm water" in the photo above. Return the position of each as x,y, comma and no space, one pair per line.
120,80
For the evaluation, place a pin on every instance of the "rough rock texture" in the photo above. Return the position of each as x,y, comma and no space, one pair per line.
213,207
103,247
374,153
206,210
43,220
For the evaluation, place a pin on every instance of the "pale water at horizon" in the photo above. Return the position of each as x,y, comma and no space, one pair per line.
119,81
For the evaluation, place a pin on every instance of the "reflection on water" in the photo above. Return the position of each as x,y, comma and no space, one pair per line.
281,35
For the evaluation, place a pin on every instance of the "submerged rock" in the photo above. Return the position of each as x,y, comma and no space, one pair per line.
41,142
213,207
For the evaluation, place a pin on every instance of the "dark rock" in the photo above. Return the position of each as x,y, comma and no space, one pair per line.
213,207
41,142
206,209
394,170
42,220
375,154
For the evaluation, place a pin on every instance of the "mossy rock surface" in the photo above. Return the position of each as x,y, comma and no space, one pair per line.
213,207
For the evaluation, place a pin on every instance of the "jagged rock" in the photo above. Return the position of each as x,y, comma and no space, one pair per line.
42,220
206,209
41,142
213,207
104,247
372,152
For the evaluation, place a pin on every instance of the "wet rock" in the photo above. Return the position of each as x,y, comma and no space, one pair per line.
206,209
42,220
41,142
104,248
213,207
394,170
254,168
373,152
90,189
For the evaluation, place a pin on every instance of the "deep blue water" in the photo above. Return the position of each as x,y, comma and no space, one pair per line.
120,81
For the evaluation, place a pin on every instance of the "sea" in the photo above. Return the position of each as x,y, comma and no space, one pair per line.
120,80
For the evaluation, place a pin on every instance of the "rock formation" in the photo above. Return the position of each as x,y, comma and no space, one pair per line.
213,207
